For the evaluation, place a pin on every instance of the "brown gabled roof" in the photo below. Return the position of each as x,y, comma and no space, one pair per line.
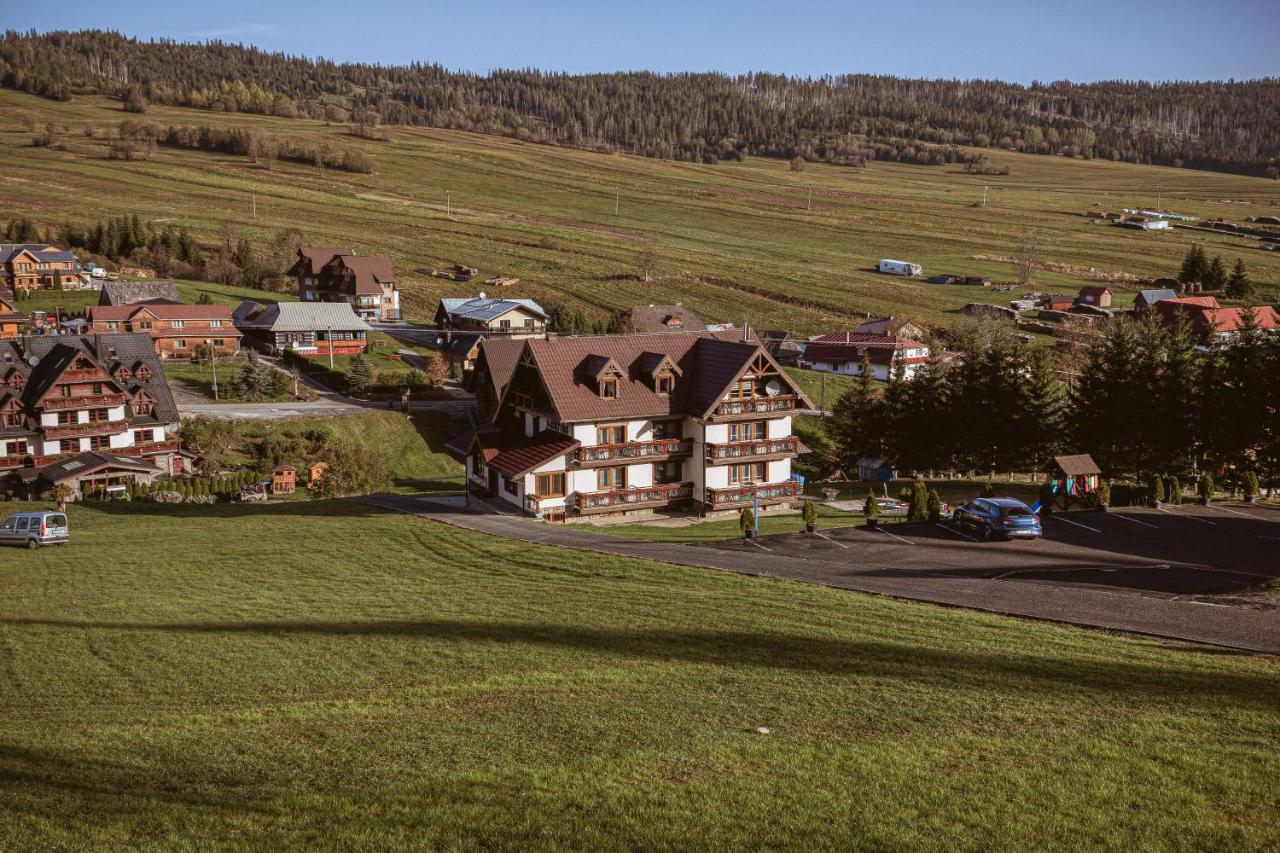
501,355
512,454
1078,465
312,258
161,311
371,272
708,363
1094,290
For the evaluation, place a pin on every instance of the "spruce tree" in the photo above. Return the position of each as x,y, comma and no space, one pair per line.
918,509
1238,284
1215,277
1195,265
359,375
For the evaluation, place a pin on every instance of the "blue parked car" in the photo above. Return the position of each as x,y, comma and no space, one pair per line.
998,517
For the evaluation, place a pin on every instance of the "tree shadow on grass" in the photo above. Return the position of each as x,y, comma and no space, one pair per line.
905,661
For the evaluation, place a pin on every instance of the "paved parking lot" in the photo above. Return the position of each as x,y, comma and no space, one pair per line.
1187,550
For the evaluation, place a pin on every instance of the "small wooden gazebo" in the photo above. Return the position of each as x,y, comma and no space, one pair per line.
1074,478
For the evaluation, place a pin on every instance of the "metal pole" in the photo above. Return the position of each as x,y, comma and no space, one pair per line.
448,205
823,404
329,332
213,360
616,199
755,511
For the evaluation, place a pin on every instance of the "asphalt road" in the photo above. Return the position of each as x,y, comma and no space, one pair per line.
1097,576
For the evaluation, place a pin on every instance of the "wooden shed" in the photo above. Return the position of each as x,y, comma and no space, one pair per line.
1074,478
284,480
314,472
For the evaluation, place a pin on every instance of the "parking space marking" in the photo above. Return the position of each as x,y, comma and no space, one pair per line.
1188,517
1076,523
1135,521
829,539
895,536
1272,538
955,531
1236,511
758,545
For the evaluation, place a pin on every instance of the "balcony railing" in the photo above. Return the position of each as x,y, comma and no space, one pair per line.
662,447
145,447
14,460
752,449
81,430
631,498
766,492
90,401
758,406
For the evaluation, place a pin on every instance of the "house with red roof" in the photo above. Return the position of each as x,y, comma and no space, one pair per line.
176,330
847,352
609,427
1212,323
1098,297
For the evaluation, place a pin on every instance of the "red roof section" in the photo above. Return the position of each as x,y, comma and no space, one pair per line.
1092,290
515,455
1233,319
161,311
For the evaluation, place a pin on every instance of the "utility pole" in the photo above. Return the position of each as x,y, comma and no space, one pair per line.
822,403
617,194
984,196
810,205
253,204
329,333
448,205
213,362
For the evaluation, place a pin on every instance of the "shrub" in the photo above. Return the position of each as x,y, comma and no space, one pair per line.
934,505
1174,489
1206,487
870,508
918,510
1156,488
809,512
988,489
1104,493
746,519
1046,497
1251,487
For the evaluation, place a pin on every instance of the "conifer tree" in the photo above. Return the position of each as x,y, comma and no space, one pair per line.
1195,266
1215,277
1238,284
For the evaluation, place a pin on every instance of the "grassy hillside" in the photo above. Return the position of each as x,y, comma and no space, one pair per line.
733,241
316,675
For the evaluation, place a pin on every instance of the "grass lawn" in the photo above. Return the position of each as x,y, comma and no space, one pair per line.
323,675
822,388
198,378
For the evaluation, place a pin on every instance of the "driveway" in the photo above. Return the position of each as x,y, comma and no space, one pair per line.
940,566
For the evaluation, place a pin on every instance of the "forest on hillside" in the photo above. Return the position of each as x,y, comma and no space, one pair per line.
849,119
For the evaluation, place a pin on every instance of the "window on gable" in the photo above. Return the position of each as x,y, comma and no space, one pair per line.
665,384
609,389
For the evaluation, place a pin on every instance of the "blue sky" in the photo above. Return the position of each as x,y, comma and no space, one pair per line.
1021,41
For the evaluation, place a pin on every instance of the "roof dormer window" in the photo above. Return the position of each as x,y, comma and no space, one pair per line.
664,384
609,388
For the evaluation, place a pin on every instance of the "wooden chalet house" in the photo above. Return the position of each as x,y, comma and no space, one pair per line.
69,394
177,331
847,352
622,426
36,266
367,283
311,329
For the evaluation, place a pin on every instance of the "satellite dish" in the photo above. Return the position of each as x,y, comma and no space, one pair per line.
773,388
33,360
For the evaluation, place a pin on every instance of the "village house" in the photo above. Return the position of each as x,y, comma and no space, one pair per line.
36,266
367,283
65,395
515,318
138,292
1212,324
178,331
1098,297
11,319
782,345
845,353
623,426
310,329
1148,298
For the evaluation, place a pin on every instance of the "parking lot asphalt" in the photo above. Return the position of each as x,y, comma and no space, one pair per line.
1160,573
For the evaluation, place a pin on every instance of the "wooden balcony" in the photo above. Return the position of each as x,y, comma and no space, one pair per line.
82,430
768,493
731,409
148,447
87,374
632,451
89,401
765,448
14,461
644,497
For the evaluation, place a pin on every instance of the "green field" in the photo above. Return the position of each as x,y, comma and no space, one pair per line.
733,241
322,675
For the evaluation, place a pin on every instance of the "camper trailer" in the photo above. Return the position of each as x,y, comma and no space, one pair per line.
899,268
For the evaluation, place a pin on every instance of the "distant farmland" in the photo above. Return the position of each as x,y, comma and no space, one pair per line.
752,241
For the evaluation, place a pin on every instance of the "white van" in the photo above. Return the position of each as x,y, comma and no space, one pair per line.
34,529
891,267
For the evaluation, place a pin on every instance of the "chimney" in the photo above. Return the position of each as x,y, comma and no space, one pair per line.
746,331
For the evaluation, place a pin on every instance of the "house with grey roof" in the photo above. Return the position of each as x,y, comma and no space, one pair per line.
149,292
304,328
36,266
1147,298
516,318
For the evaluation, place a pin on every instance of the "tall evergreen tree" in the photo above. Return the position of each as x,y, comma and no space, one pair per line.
1215,277
1195,266
1238,284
